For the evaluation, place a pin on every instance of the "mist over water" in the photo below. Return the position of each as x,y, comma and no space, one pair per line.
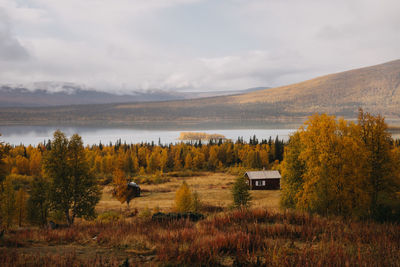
33,135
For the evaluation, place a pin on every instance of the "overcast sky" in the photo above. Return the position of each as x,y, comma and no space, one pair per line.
123,45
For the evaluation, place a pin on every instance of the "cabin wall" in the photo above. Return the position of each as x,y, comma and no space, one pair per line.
270,184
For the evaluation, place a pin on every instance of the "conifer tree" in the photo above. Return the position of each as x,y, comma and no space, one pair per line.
240,193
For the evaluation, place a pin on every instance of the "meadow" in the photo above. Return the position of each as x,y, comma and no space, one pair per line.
212,187
264,235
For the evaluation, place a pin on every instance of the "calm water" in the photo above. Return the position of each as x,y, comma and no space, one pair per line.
32,135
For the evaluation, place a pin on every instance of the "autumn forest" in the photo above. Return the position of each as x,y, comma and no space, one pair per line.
333,172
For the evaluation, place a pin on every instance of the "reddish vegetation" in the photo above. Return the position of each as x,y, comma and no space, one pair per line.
256,237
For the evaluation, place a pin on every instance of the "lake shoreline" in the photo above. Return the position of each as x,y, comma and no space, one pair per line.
33,135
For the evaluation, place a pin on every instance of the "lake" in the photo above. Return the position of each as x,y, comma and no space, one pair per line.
32,135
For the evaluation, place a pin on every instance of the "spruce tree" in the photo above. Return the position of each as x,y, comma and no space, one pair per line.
240,193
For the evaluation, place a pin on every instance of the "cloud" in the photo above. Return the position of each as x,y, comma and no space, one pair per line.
126,45
10,47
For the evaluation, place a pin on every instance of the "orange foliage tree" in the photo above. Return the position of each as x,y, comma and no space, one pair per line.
329,168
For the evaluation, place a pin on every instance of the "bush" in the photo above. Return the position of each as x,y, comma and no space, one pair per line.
163,217
184,173
146,213
109,216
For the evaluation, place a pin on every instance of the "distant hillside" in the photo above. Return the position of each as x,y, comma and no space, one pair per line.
46,94
375,88
74,95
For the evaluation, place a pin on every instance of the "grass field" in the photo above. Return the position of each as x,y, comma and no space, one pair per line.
261,236
213,189
44,247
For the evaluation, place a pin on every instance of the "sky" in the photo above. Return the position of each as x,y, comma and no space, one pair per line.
192,45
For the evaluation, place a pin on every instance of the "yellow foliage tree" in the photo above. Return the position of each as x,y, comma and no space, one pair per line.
20,203
331,166
7,203
382,176
188,162
325,167
153,162
183,198
198,161
333,156
120,186
35,163
177,161
121,190
22,165
163,160
292,172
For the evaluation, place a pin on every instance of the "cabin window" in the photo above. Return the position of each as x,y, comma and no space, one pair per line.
263,183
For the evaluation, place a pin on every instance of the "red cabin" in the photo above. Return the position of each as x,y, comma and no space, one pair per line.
263,180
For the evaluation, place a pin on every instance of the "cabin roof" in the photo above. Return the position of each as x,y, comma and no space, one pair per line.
133,184
263,175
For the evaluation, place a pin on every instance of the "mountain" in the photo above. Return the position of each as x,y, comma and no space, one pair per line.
45,94
376,89
22,97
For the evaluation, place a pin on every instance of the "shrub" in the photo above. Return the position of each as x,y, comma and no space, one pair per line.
163,217
146,213
108,216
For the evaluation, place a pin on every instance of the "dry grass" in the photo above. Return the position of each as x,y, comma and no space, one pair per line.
238,238
213,189
263,236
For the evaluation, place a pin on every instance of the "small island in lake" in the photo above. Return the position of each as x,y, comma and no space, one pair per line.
195,136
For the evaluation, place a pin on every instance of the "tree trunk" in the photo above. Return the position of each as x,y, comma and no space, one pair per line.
70,221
